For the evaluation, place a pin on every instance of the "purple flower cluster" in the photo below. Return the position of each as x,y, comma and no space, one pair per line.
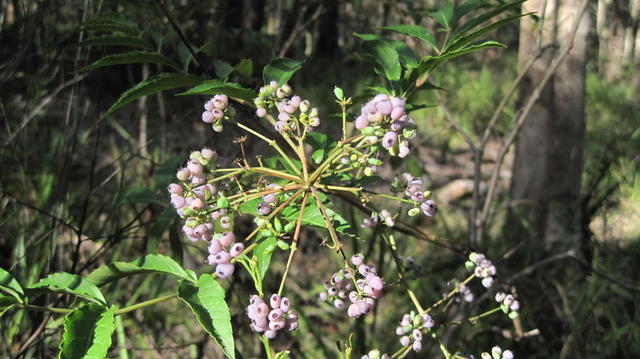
413,190
482,268
466,294
272,317
220,256
370,287
375,354
497,353
385,118
217,110
204,208
509,304
384,216
269,200
411,327
293,111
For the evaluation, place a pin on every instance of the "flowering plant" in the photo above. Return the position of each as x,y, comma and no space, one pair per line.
292,191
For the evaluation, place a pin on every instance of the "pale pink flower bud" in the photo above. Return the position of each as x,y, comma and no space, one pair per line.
207,117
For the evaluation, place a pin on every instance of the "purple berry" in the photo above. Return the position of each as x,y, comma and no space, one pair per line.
275,314
224,270
338,303
178,202
390,139
429,208
217,113
270,334
175,188
236,249
222,257
227,238
353,311
404,341
207,117
397,113
269,198
275,301
261,112
264,208
417,346
285,304
215,247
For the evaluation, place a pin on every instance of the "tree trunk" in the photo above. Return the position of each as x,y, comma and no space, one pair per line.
548,162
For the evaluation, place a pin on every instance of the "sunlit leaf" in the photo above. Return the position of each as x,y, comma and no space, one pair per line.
154,84
87,333
151,263
68,283
280,69
206,300
212,87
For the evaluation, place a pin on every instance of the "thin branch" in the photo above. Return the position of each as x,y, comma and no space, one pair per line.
178,30
298,27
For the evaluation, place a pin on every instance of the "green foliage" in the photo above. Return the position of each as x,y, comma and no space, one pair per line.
151,263
131,57
70,284
137,195
10,285
281,70
87,333
211,87
154,84
206,300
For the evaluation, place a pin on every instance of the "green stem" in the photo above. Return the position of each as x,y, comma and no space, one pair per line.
451,294
294,244
267,347
390,241
146,303
485,314
45,309
392,197
271,143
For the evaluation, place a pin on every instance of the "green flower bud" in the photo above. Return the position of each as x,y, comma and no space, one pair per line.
339,93
313,113
289,227
277,225
367,131
414,212
368,171
513,315
223,202
282,245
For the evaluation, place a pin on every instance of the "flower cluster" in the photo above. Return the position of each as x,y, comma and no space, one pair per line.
466,294
384,119
375,354
384,216
217,110
411,327
205,210
413,190
293,111
369,288
482,268
270,321
509,304
220,256
497,353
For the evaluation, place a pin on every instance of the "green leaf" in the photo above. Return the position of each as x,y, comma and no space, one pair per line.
459,42
317,156
313,217
154,84
109,23
280,69
6,303
462,10
384,54
263,253
250,207
138,195
484,17
160,225
222,69
244,68
206,301
444,15
415,31
212,87
68,283
116,40
87,333
406,55
10,285
472,48
151,263
131,57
